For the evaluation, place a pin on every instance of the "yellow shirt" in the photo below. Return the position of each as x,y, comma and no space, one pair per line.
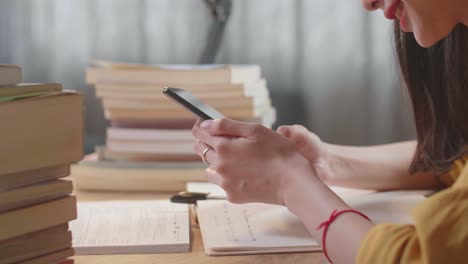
439,233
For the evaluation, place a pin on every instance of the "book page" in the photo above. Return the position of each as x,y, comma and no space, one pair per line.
388,207
231,229
248,227
120,227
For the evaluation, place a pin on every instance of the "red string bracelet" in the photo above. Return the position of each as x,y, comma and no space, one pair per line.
327,223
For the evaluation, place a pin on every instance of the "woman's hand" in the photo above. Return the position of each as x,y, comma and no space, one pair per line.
255,164
311,147
251,162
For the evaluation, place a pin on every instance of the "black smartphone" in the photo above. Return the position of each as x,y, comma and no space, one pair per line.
192,103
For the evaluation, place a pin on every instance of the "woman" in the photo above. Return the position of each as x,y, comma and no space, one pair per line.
292,167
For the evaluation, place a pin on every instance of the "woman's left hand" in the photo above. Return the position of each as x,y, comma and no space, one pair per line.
251,162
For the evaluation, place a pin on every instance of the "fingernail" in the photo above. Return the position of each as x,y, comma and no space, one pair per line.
206,124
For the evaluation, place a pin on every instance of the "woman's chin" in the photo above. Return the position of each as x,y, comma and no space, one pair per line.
428,37
427,40
425,43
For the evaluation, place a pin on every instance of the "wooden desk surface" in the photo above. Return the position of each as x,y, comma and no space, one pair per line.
197,254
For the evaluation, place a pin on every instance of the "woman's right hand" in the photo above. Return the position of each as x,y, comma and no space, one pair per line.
312,148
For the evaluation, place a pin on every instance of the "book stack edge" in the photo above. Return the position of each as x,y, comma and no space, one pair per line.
42,134
149,145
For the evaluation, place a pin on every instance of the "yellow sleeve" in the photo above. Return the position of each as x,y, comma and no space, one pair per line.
452,176
439,233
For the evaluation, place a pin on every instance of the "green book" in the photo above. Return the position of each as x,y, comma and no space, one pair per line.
20,96
25,90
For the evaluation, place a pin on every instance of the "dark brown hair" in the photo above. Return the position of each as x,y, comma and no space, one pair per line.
437,82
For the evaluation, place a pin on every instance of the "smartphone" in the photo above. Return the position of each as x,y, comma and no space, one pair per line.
192,103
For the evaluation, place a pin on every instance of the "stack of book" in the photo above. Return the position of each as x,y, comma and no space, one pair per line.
149,144
42,134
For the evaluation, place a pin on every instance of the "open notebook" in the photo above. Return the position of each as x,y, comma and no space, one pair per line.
230,229
131,227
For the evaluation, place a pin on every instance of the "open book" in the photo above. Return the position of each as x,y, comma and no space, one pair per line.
231,229
131,227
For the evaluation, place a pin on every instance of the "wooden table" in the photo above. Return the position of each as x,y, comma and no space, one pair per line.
197,254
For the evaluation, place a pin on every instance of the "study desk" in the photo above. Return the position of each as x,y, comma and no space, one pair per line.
197,254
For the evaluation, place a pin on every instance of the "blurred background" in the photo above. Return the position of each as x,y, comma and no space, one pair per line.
330,65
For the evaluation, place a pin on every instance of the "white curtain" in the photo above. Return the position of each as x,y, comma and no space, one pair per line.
329,64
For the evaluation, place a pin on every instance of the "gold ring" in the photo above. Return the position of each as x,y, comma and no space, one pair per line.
204,155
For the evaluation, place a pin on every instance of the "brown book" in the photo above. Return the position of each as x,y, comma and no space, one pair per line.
10,74
137,87
29,88
181,113
34,194
37,217
41,131
158,95
24,178
167,104
138,134
109,72
35,244
66,261
105,153
268,118
93,174
154,123
162,147
52,258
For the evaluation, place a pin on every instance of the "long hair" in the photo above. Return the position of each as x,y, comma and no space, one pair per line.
437,82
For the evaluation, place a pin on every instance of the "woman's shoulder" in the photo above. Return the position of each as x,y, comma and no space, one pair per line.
447,205
458,174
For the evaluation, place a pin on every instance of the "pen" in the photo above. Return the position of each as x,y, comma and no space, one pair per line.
191,197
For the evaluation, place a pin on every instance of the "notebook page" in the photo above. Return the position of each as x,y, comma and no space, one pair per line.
388,207
122,227
231,227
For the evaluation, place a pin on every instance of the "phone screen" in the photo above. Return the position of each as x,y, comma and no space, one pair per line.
192,103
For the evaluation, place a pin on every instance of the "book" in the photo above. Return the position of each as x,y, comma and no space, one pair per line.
29,88
238,88
109,72
162,147
35,244
233,229
52,258
29,219
168,104
208,96
158,95
46,131
25,178
268,119
9,74
181,113
67,261
104,153
34,194
131,227
93,174
173,124
115,133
